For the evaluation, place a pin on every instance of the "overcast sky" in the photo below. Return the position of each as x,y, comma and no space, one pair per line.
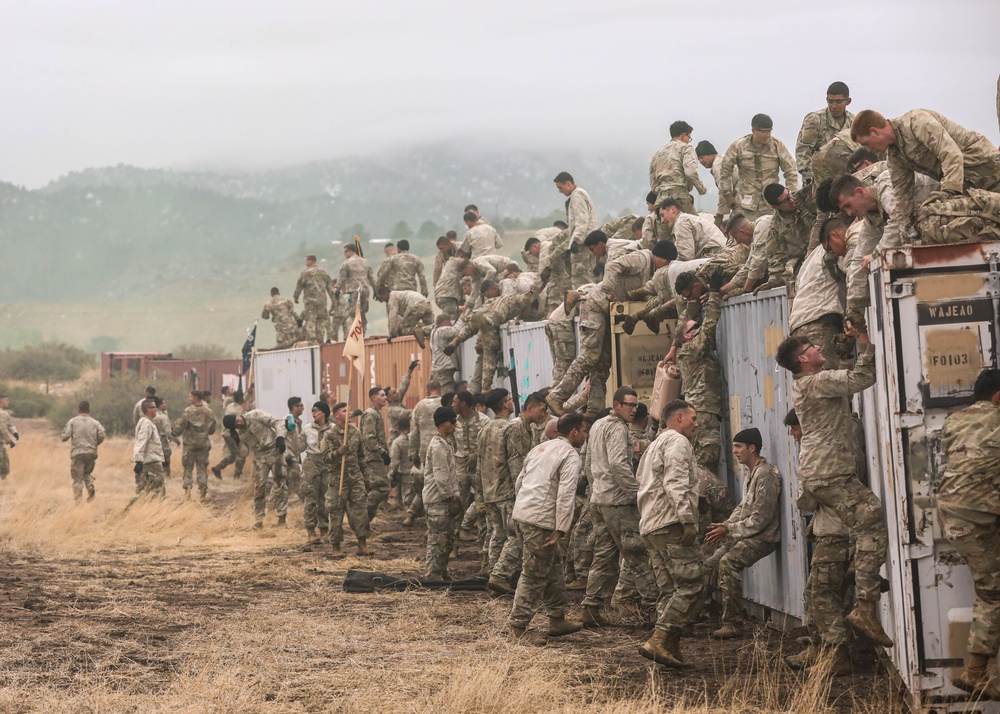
259,83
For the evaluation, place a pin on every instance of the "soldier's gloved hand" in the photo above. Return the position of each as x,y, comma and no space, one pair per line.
450,349
413,365
479,349
300,322
289,423
236,437
939,195
637,294
702,190
340,450
718,221
166,464
17,437
574,247
767,285
857,320
385,458
628,324
11,444
652,323
280,443
716,281
137,469
735,292
690,535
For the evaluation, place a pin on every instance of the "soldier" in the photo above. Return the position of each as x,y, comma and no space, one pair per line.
195,426
295,445
376,450
751,533
400,466
561,336
478,270
754,270
446,249
166,431
409,312
481,238
395,409
497,482
581,219
546,491
827,470
389,250
788,236
554,263
758,157
86,434
281,312
137,409
470,423
315,475
613,509
355,280
600,246
673,170
346,490
532,249
708,156
668,521
444,366
969,509
314,285
236,452
340,320
403,271
925,142
694,236
821,126
442,495
448,287
147,453
262,432
423,430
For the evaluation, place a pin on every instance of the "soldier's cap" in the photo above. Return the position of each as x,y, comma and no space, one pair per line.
444,414
323,407
704,148
651,197
665,249
229,421
749,436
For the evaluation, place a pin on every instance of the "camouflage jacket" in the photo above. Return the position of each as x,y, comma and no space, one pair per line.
355,454
971,441
698,360
196,424
787,241
580,216
697,237
422,428
493,462
482,239
355,272
758,167
673,171
373,435
629,272
403,271
609,448
818,128
467,440
315,284
441,483
758,516
281,311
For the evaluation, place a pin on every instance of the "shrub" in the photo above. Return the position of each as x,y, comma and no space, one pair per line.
112,402
26,403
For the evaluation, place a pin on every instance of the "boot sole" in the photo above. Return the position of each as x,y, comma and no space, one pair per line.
881,640
659,659
563,633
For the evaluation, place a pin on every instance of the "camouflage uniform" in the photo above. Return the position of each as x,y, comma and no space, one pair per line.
86,433
395,409
594,359
422,430
668,499
376,450
340,320
530,261
260,433
827,468
758,167
352,499
517,444
443,367
613,492
407,309
448,289
315,476
295,446
486,322
7,432
826,588
356,274
493,468
195,426
654,230
235,453
166,431
697,237
582,220
818,128
818,309
787,241
401,468
149,452
673,172
439,260
830,161
486,267
715,504
443,501
753,533
467,452
315,283
482,239
701,377
969,508
561,337
402,271
931,144
554,264
755,269
727,189
281,312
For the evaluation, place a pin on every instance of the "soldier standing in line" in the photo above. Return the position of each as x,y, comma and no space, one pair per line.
422,431
314,282
348,460
673,170
166,431
470,423
281,312
315,475
262,432
147,453
376,450
195,426
8,436
236,453
400,466
821,126
758,157
84,434
441,495
355,274
494,474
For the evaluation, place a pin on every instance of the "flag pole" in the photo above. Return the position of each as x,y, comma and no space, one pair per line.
355,328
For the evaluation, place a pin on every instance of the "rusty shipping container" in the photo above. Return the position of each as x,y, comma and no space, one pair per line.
206,374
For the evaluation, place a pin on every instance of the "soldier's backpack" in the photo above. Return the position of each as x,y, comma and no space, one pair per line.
971,218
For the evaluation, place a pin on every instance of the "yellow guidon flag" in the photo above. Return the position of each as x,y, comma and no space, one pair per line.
354,345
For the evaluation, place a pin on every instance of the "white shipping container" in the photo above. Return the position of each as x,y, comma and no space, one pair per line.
280,374
532,357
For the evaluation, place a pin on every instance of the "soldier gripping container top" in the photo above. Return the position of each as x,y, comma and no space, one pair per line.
281,311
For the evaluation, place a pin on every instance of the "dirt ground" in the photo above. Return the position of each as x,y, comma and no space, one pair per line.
181,606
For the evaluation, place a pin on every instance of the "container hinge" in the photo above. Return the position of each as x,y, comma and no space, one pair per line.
901,289
917,551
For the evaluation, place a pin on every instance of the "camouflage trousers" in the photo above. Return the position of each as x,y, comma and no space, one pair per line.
82,470
268,462
167,453
286,334
559,284
821,332
680,577
542,585
442,522
861,511
626,591
582,267
976,536
314,318
446,378
489,357
594,362
448,306
581,543
352,500
727,565
4,462
377,486
617,540
312,490
340,325
293,471
685,200
708,441
235,454
826,588
410,319
562,346
416,502
408,488
503,559
465,480
150,481
196,457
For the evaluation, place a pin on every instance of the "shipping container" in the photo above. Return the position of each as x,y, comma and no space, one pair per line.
634,357
280,374
206,374
127,364
384,365
526,348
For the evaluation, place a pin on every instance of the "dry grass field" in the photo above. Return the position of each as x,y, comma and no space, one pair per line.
179,606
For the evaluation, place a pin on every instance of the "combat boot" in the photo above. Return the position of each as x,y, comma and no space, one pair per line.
673,645
363,548
218,472
975,679
408,519
90,494
560,626
467,536
803,659
281,521
453,554
311,536
418,335
592,617
202,495
570,301
187,493
258,524
500,586
728,631
521,634
864,619
323,532
655,649
554,405
335,549
577,584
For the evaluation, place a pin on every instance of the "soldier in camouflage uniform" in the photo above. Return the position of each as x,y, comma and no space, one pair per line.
673,170
314,283
446,249
356,280
708,156
85,434
195,426
701,377
561,336
532,249
376,451
262,432
969,510
715,505
827,469
410,313
395,409
694,236
448,288
751,533
166,431
582,220
470,423
340,320
147,452
236,452
400,466
281,312
402,271
821,126
442,496
443,365
347,462
758,156
613,506
8,436
295,445
788,237
493,472
315,474
421,433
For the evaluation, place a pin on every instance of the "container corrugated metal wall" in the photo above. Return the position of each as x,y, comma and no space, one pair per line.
212,374
384,365
280,374
532,357
760,396
466,359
